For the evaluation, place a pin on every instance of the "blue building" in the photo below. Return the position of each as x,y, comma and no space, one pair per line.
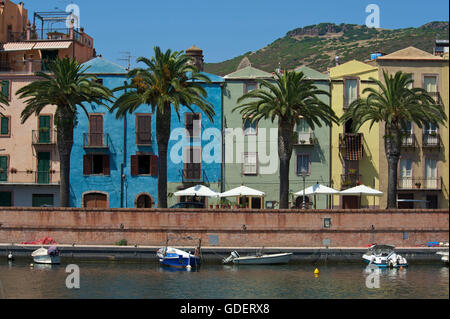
114,161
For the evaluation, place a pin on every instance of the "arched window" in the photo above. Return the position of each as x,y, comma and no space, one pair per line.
143,201
95,200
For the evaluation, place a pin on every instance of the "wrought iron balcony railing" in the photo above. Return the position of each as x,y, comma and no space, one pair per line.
95,140
44,137
351,146
304,138
412,183
431,140
409,141
29,177
350,180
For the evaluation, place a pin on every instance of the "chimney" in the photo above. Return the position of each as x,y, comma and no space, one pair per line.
197,56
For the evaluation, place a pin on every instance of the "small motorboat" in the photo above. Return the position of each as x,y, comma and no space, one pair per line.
444,256
384,256
46,256
174,257
258,259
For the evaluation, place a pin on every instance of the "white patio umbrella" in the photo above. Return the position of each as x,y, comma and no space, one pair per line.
198,190
243,191
362,190
317,189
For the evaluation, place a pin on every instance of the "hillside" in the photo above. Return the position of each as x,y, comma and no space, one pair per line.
317,46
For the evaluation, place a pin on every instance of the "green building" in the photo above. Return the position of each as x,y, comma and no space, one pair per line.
251,151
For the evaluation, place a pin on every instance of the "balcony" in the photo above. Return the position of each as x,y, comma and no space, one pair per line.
431,140
350,180
44,137
95,140
194,176
351,146
29,177
304,138
51,34
409,141
419,183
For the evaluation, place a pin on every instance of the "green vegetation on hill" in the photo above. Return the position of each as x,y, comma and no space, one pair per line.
317,46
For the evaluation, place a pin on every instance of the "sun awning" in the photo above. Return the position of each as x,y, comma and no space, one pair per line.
317,189
361,190
52,45
17,46
198,190
242,191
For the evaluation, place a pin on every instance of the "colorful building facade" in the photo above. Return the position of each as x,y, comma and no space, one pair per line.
423,168
354,155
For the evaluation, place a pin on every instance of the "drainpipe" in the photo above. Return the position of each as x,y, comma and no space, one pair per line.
222,165
330,197
124,152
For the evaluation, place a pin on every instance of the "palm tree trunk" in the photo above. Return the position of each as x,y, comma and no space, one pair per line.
65,143
162,136
285,144
392,149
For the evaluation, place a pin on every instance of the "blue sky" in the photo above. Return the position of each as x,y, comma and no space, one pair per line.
224,29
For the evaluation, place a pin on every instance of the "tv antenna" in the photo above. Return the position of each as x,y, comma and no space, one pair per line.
127,58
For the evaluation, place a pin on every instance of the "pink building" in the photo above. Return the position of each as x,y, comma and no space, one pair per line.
29,161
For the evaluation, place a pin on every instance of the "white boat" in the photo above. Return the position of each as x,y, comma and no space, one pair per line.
258,259
46,256
384,256
174,257
444,255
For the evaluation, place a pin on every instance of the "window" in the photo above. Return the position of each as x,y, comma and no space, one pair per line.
5,84
430,83
303,163
408,139
143,201
96,164
410,85
144,129
3,168
250,128
193,125
144,164
193,163
5,126
95,130
250,86
5,199
250,165
42,200
350,91
44,128
303,132
431,173
405,173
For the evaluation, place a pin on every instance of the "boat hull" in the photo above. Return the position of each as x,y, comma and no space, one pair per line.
49,260
180,262
382,263
264,259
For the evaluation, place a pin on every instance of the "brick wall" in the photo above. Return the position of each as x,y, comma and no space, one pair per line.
269,228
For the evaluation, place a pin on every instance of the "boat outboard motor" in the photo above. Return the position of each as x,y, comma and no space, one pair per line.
234,254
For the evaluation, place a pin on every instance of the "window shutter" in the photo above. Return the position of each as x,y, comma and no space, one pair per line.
153,165
106,170
5,88
189,125
144,129
134,165
4,126
87,160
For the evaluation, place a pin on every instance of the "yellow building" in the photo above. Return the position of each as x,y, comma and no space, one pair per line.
354,155
423,168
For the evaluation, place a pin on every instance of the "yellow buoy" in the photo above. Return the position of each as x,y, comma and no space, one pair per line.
316,272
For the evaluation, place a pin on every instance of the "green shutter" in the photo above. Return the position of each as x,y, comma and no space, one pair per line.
3,168
5,88
4,130
43,176
5,199
44,129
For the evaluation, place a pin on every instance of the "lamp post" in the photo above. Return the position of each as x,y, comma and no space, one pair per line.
303,173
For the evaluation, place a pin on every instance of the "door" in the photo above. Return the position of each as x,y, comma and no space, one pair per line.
95,200
431,173
144,201
43,168
42,200
3,168
5,199
405,201
350,202
44,129
95,130
405,180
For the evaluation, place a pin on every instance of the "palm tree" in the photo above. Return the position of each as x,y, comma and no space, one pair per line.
169,80
288,99
395,105
67,86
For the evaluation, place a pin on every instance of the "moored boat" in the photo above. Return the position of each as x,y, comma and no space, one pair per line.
174,257
384,256
444,256
258,259
46,256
